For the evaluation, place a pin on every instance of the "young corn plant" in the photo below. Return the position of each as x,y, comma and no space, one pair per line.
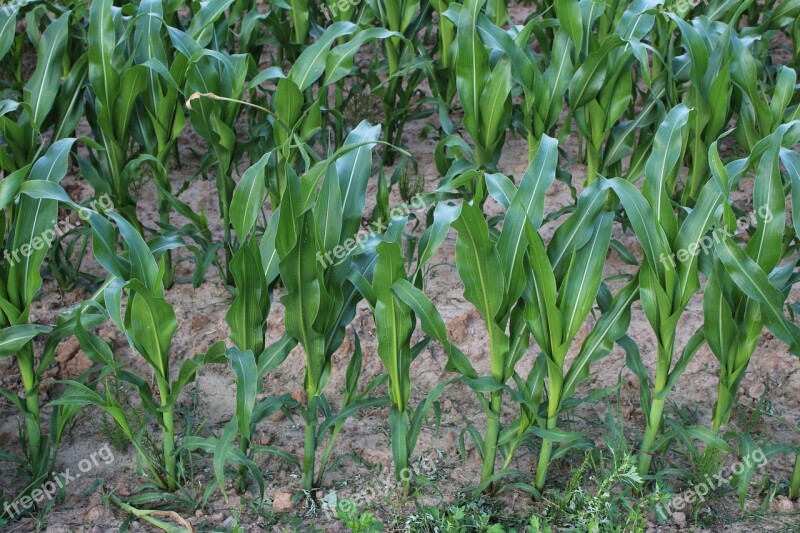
397,79
744,290
665,285
484,88
492,269
397,305
601,89
148,322
543,92
313,243
758,115
218,85
47,103
29,226
565,281
708,93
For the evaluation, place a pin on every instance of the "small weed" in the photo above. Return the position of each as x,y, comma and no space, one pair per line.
355,520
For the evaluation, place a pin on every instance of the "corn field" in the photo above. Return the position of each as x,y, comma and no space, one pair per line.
399,265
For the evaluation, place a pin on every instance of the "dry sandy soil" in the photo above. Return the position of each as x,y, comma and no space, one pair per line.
773,380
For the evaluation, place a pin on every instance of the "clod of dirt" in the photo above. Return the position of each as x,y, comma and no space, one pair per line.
282,502
784,505
71,359
299,395
756,390
262,438
99,513
679,519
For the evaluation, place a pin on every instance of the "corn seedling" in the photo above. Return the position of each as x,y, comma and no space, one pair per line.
148,323
47,102
600,90
561,293
665,285
708,93
397,305
29,226
312,246
495,281
483,88
733,318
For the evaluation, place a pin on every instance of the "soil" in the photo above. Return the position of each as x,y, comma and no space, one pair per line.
772,385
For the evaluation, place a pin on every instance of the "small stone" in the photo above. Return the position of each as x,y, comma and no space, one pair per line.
756,390
99,513
282,502
227,523
679,519
262,438
198,513
784,505
122,489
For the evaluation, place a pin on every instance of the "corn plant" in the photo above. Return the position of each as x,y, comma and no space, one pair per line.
759,116
314,262
29,227
47,102
148,323
134,104
544,92
397,306
218,84
733,318
600,91
708,93
484,89
405,66
665,285
492,269
561,295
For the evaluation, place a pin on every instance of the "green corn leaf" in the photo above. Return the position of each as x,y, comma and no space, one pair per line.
35,225
150,323
40,91
582,281
248,198
749,277
247,314
472,63
353,169
13,338
478,263
244,365
311,63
